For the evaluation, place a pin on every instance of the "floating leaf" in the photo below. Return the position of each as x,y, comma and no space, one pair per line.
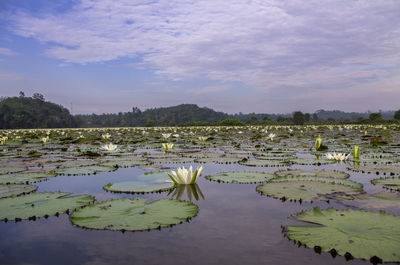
307,188
83,170
25,177
148,182
313,173
378,169
15,189
263,163
241,177
311,161
363,234
383,200
389,183
134,214
41,204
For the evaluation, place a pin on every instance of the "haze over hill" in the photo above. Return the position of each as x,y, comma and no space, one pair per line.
35,112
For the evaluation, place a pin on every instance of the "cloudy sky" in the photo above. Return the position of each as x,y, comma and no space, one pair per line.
270,56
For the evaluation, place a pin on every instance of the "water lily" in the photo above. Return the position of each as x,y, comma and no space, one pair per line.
318,143
109,147
203,138
106,136
168,147
3,140
337,156
166,135
45,139
356,152
184,176
271,136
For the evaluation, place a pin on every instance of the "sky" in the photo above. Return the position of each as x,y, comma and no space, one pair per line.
263,56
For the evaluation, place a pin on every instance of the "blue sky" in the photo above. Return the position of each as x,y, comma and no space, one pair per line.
270,56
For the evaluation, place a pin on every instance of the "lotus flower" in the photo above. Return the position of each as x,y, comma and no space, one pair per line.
166,135
203,138
271,136
184,176
109,147
318,143
106,136
337,157
168,147
356,152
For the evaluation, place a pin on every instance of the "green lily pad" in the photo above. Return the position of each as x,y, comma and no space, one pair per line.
382,200
219,160
83,170
15,189
134,214
241,177
148,182
307,188
389,183
10,170
124,163
311,161
41,205
378,169
25,177
312,173
365,235
263,163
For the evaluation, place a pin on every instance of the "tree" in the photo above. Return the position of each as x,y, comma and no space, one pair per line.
21,94
315,117
375,116
38,96
397,115
307,117
298,118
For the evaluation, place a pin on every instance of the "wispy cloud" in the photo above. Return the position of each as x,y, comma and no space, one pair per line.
7,52
271,44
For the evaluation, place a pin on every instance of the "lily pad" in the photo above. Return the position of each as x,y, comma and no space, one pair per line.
241,177
389,183
307,188
378,169
365,235
25,177
382,200
263,163
41,205
134,214
15,189
312,173
83,170
311,161
148,182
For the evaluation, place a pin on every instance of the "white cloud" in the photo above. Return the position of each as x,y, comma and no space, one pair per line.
266,44
7,52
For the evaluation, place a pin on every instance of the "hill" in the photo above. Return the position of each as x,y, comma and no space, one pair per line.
35,112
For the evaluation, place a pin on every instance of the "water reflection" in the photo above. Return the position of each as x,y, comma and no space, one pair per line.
189,190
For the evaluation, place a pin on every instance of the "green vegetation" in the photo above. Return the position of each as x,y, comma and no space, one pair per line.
35,112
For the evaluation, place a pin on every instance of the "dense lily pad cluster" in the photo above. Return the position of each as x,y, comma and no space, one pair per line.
269,156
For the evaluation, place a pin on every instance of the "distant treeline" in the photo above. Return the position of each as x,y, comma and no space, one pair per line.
35,112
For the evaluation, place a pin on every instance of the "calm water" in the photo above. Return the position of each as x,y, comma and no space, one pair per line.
235,225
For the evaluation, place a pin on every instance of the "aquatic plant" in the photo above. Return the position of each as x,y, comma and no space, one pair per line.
109,147
337,156
184,176
168,147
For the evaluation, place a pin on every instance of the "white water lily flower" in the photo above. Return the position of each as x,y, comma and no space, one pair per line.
45,139
337,156
271,136
203,138
109,147
168,146
106,136
166,135
3,140
184,176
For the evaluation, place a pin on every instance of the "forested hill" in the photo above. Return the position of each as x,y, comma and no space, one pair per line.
35,112
169,116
